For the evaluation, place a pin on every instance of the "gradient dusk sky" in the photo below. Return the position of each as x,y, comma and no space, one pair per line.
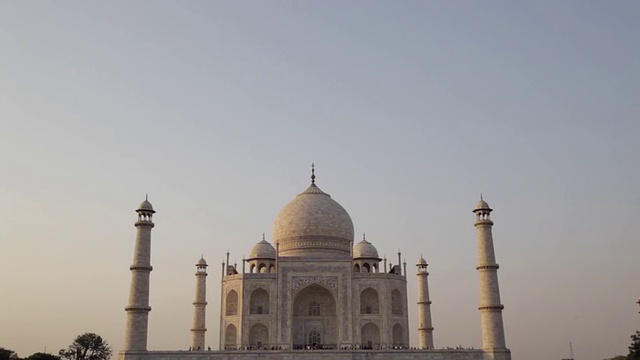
409,109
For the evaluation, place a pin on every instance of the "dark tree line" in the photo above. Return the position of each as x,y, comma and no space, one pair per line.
6,354
634,349
88,346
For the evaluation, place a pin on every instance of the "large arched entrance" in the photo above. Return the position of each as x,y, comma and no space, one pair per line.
314,318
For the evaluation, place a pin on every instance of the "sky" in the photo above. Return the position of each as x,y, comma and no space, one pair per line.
409,109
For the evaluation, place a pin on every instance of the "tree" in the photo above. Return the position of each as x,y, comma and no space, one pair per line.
6,354
88,346
634,348
43,356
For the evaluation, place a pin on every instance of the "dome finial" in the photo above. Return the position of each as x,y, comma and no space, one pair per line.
481,196
364,236
313,174
263,239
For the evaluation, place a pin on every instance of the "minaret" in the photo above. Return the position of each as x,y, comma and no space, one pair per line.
138,308
493,342
425,328
199,306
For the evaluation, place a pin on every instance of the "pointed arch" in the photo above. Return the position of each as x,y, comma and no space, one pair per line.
259,302
230,337
370,336
398,335
356,268
314,308
231,302
259,336
396,302
369,301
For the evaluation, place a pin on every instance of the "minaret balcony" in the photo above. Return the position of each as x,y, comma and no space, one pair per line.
488,267
491,307
141,267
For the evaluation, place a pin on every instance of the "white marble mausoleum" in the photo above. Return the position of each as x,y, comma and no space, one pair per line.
314,294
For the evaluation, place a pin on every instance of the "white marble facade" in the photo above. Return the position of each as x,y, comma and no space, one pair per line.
313,291
316,290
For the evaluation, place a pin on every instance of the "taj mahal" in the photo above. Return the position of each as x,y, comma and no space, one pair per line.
315,294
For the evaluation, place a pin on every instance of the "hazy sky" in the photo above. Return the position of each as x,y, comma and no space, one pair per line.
409,109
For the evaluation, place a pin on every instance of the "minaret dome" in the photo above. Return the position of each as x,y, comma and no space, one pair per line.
146,206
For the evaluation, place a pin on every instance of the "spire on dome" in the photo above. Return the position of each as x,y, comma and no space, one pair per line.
313,174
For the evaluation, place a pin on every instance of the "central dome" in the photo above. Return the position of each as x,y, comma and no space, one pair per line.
313,224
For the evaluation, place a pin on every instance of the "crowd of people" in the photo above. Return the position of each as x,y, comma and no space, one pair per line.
316,347
332,347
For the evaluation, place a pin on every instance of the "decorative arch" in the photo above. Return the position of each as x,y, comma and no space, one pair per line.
259,302
231,307
356,268
262,268
230,337
259,336
272,269
366,268
252,268
396,302
370,336
314,309
398,335
369,301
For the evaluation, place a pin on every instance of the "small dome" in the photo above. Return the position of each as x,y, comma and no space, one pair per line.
202,262
364,249
422,261
482,205
263,250
145,205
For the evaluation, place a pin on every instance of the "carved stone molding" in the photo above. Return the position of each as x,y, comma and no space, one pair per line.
298,282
